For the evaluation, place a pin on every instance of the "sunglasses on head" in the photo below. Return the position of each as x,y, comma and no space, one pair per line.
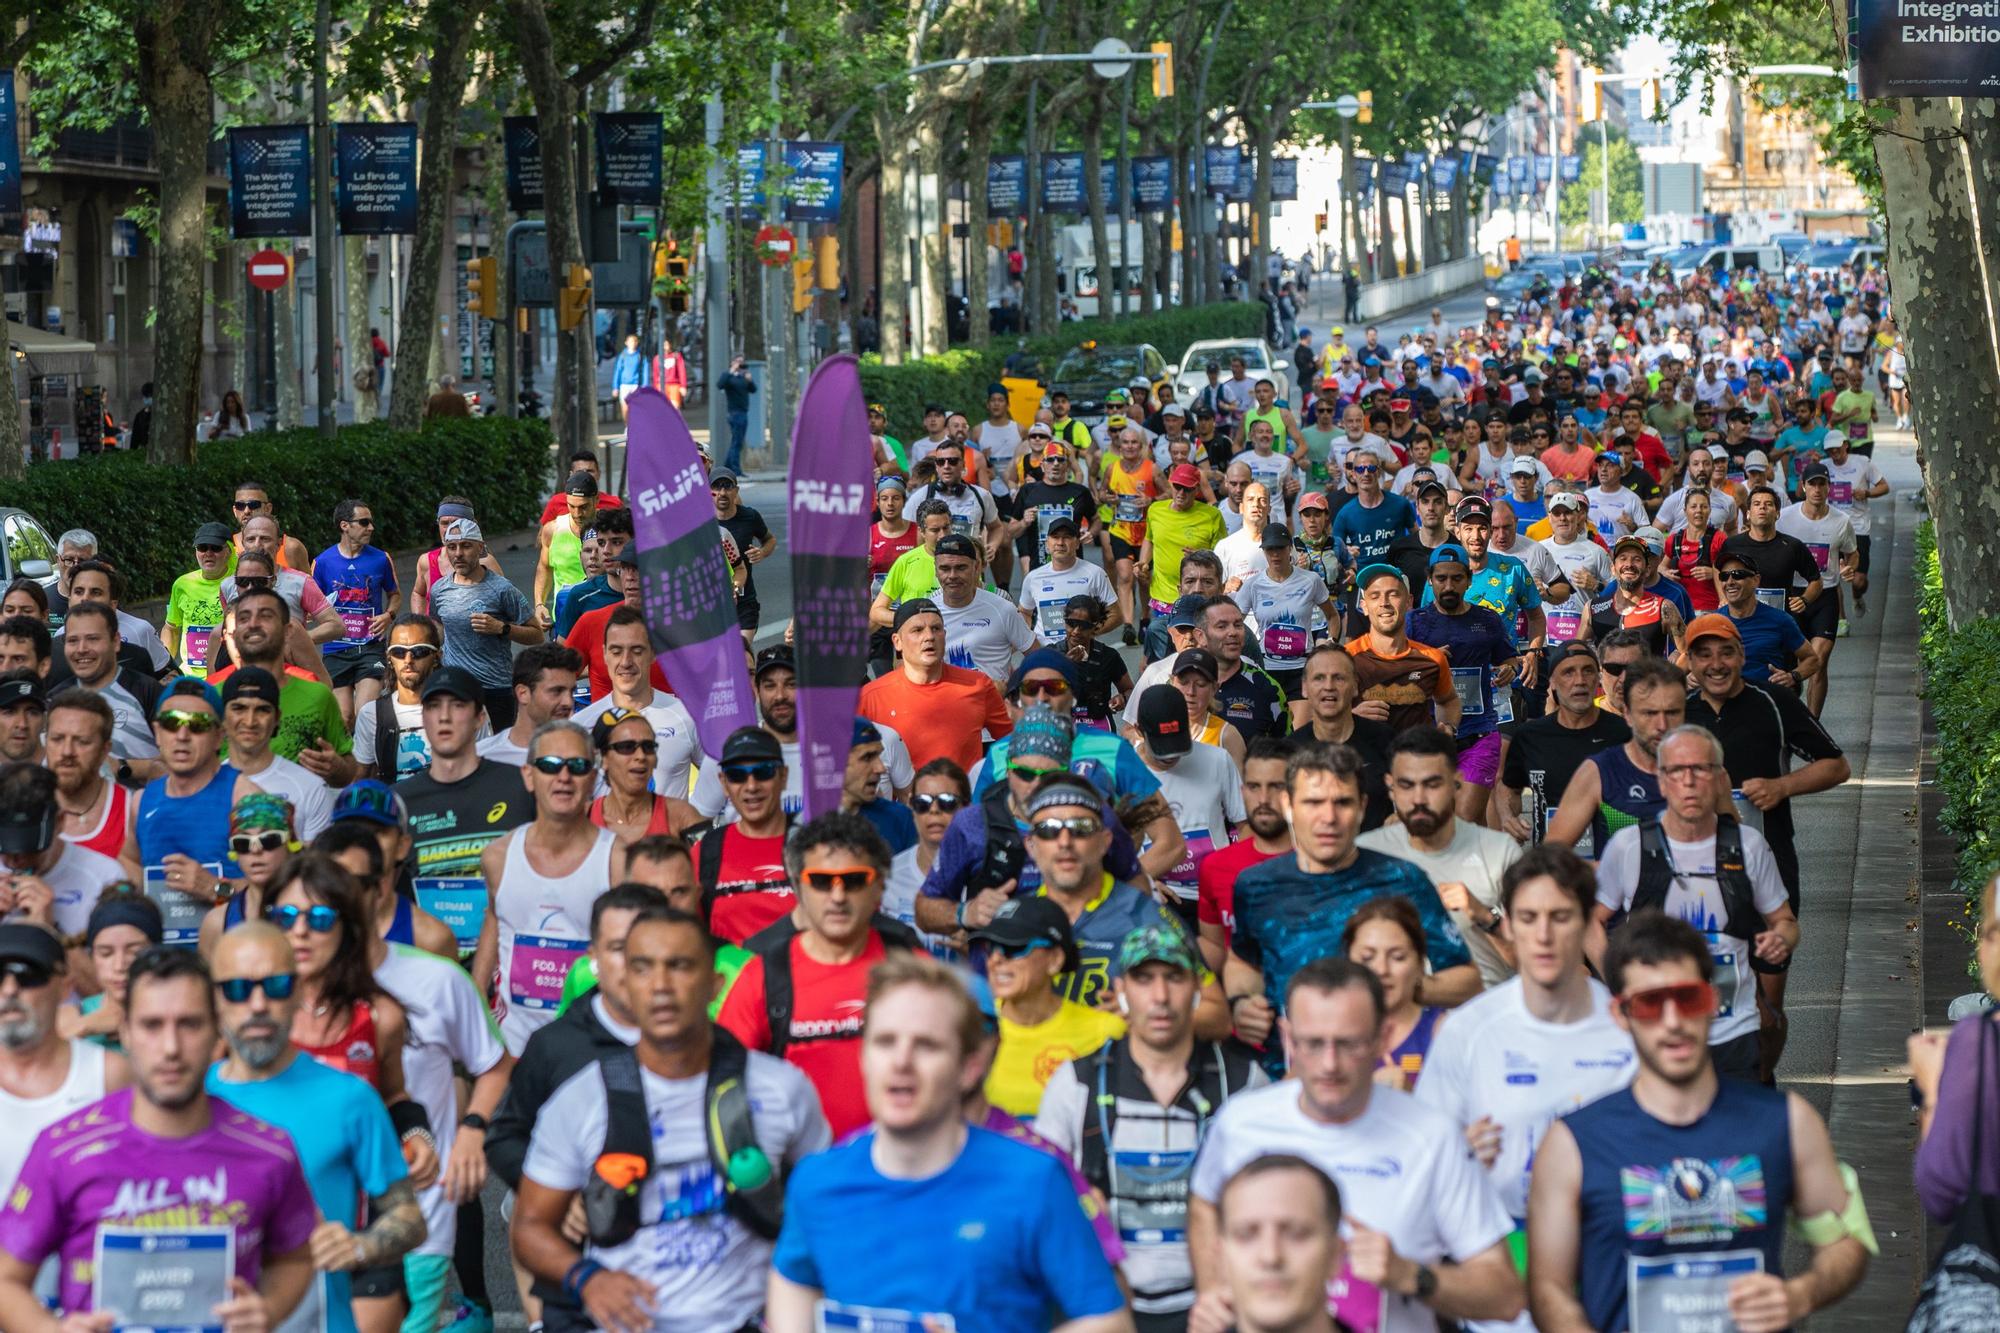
851,878
404,652
238,989
251,505
264,840
173,719
648,746
319,918
759,772
1694,999
944,802
552,764
1081,826
1044,689
27,974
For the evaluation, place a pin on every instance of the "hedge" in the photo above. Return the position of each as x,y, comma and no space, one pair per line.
1962,682
145,515
959,377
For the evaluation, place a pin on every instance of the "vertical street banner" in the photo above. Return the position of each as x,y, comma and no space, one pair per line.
1222,161
1006,185
1518,174
1572,168
270,180
831,496
813,174
1928,48
1484,167
1153,184
1395,179
522,136
629,147
750,182
375,179
1245,178
1364,179
1444,173
1062,183
11,214
1284,179
1545,168
1107,185
683,574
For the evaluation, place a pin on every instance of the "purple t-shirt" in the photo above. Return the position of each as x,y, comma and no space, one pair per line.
96,1167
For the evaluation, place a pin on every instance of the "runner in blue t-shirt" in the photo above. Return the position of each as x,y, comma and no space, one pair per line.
360,581
1773,643
1484,663
1367,524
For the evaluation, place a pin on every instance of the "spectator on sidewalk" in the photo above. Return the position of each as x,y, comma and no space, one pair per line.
736,390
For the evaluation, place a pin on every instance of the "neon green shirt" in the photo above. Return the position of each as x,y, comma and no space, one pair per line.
729,961
1173,534
194,607
913,575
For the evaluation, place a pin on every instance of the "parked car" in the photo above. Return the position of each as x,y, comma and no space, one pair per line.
26,549
1822,260
1190,377
1094,369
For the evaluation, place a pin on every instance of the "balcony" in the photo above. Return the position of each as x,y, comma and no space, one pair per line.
127,145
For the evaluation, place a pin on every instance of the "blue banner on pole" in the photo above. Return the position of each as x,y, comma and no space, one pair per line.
1943,50
1395,179
813,174
629,148
1519,172
1572,167
750,182
375,179
270,180
1153,184
1006,185
1545,168
1284,179
1222,162
1062,183
11,214
523,138
1364,178
1444,173
1245,179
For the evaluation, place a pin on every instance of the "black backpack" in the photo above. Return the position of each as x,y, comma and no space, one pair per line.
1741,918
388,736
708,861
779,997
752,1190
1006,855
1218,1075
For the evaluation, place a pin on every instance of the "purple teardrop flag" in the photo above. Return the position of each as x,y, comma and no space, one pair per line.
831,491
690,601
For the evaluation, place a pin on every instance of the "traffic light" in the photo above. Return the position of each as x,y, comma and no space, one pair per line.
679,287
1319,222
573,301
1367,113
826,263
1163,69
482,287
1593,99
802,284
1650,100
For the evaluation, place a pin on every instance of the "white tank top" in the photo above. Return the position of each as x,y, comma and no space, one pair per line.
26,1117
999,441
544,927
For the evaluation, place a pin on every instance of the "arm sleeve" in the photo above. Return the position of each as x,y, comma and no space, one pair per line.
1243,940
1514,771
1211,1165
28,1224
955,859
1767,887
332,727
567,1132
1618,869
1944,1159
311,600
1068,1257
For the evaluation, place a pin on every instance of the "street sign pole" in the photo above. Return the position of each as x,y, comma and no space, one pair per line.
323,237
715,277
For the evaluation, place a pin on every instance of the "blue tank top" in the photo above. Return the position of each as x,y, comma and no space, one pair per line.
195,826
1409,1053
1628,795
1672,1213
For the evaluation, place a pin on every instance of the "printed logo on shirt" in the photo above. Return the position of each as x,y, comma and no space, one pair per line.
1695,1199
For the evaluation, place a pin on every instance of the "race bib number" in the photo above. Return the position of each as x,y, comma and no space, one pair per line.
194,647
1049,620
535,979
1503,707
1360,1306
180,913
875,585
1564,626
1184,879
162,1281
1857,430
1287,642
580,696
1840,492
837,1317
354,623
961,525
1723,948
1151,1208
1772,597
1470,683
460,903
1821,552
1685,1293
1130,508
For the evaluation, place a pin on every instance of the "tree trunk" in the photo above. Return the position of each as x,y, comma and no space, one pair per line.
893,136
1385,240
286,350
934,258
436,189
178,95
555,115
1185,146
1152,245
1411,240
978,147
354,267
1264,134
1093,195
13,463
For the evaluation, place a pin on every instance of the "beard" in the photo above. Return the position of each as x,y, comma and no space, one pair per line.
1267,823
259,1050
152,1094
20,1029
1423,821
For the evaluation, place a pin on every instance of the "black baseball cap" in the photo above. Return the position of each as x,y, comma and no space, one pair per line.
212,534
27,942
751,745
1062,527
910,610
1031,919
580,483
778,655
1163,718
1187,611
1198,660
1814,472
1276,536
956,543
24,689
251,682
454,681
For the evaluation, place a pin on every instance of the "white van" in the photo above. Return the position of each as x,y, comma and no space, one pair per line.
1730,259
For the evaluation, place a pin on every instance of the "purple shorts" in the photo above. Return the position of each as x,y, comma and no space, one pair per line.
1479,761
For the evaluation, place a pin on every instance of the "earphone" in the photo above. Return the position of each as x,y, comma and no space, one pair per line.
1124,1006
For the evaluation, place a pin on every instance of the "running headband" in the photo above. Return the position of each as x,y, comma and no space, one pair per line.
455,511
139,913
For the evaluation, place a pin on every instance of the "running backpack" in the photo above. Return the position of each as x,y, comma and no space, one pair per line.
752,1191
779,998
1741,918
388,736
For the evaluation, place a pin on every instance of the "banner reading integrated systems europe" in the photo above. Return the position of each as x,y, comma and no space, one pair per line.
829,516
684,576
1929,48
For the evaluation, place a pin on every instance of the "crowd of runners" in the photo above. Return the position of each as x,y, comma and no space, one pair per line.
1301,864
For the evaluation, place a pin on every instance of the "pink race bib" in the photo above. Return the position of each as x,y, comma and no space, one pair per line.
541,962
1285,641
1563,625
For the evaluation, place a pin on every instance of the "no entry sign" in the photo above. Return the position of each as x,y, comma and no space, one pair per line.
270,270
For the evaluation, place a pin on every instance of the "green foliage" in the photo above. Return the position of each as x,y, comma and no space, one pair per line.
1628,190
1962,681
959,377
146,515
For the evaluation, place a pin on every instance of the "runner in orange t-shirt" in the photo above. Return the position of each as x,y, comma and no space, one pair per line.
1131,482
1400,679
938,710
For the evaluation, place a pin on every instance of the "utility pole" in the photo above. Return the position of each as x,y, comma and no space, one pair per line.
323,238
777,292
715,279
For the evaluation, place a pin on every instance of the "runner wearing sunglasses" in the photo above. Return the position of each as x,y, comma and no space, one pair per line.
543,876
262,838
1637,1206
629,751
939,791
180,822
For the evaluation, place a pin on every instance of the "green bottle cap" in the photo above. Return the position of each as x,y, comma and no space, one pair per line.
749,1169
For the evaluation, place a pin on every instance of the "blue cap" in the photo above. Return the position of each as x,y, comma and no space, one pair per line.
191,685
1369,573
1611,456
1451,553
864,734
375,802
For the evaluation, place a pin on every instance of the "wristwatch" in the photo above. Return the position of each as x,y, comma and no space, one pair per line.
1427,1283
474,1120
